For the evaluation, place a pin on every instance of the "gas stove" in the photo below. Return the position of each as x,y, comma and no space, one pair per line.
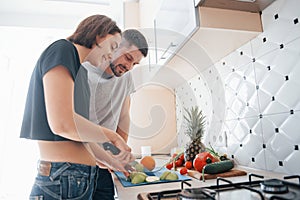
261,189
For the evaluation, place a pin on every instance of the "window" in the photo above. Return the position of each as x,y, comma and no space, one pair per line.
19,50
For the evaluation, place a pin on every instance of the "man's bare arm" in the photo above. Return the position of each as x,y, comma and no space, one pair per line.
124,121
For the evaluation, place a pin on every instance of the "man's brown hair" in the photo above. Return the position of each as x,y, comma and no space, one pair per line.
135,37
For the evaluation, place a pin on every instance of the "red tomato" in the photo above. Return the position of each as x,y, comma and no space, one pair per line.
182,157
169,166
178,163
200,160
188,164
183,170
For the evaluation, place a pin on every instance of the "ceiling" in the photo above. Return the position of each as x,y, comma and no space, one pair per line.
55,13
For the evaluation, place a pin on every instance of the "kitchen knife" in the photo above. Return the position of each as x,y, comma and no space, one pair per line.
110,147
115,151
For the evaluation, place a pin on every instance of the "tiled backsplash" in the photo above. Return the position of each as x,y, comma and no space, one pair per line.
251,98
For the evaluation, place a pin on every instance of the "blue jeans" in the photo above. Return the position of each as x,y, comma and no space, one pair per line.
66,181
105,186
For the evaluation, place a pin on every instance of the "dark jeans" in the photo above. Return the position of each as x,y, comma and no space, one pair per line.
105,185
66,181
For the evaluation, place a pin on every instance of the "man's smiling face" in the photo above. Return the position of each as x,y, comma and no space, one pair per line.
124,58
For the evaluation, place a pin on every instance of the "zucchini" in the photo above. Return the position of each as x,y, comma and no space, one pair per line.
218,167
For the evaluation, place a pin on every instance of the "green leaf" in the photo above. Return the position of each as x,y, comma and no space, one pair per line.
195,122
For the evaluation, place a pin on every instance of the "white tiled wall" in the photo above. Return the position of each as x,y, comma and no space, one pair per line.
252,97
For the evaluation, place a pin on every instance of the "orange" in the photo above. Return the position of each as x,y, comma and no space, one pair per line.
148,162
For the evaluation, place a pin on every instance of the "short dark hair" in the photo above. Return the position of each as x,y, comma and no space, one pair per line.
135,37
89,28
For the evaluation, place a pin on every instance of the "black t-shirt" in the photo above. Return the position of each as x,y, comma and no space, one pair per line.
35,124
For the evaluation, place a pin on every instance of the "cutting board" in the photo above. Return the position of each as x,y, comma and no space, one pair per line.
230,173
127,183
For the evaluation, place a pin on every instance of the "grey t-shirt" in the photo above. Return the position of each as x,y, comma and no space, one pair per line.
107,95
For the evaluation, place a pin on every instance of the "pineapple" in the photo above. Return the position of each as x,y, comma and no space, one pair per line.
195,123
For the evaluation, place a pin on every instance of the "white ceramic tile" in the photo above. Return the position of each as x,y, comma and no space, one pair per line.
275,107
294,33
252,144
194,92
239,57
284,61
250,112
216,87
297,108
278,119
214,134
282,29
280,137
291,127
275,145
273,8
256,86
293,46
289,94
281,81
265,99
276,153
238,107
242,157
281,61
262,45
219,108
261,71
230,115
260,160
272,163
246,91
268,128
240,131
233,81
240,92
290,9
272,82
247,73
295,72
233,146
292,162
223,69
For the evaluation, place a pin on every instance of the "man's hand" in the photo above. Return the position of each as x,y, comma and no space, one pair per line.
114,162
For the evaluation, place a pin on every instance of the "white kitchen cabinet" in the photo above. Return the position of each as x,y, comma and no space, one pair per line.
175,22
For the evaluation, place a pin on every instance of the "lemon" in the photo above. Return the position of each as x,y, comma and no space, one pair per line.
172,177
164,175
150,179
138,178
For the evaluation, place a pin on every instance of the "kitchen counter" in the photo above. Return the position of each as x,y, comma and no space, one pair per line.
132,192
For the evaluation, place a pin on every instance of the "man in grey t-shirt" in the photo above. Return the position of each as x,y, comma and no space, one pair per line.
110,89
107,95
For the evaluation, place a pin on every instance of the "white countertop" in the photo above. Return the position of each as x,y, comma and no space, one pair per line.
126,193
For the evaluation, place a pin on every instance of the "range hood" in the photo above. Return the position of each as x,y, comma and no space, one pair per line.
241,5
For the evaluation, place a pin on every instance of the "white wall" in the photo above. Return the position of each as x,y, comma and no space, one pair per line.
258,92
153,119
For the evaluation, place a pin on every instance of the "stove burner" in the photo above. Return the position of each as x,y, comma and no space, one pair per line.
273,186
197,193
